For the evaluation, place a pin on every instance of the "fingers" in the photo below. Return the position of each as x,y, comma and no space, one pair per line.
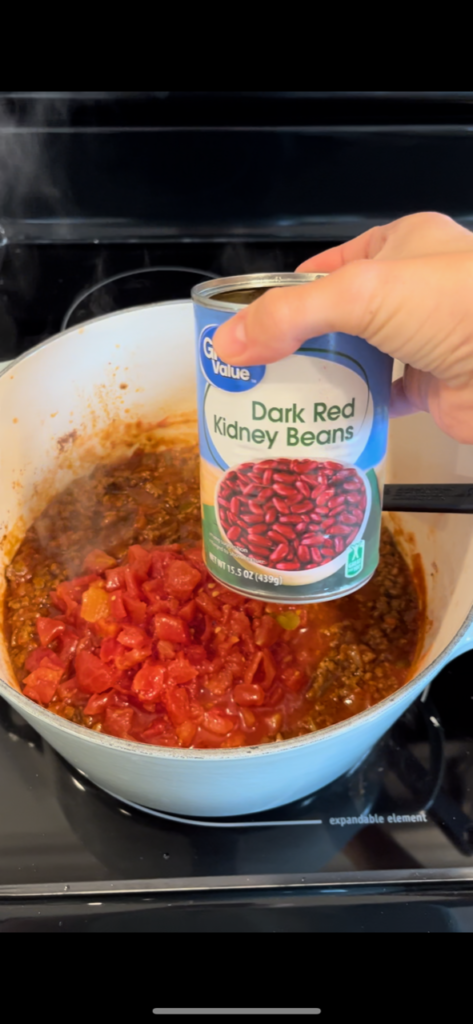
400,404
410,393
363,247
277,323
419,234
417,310
451,408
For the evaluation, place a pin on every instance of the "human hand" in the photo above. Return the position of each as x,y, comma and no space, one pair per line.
407,288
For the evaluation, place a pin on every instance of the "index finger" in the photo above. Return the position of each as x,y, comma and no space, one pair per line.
363,247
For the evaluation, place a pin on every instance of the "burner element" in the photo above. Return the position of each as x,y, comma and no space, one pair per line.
133,288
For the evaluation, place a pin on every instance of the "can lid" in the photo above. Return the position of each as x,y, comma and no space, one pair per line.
215,293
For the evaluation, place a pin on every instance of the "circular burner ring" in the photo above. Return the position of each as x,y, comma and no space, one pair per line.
127,274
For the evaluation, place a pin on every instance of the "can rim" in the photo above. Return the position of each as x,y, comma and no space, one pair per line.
206,293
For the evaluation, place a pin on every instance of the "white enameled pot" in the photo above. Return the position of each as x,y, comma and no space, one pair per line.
85,396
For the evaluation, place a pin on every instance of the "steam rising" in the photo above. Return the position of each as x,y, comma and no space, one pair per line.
27,188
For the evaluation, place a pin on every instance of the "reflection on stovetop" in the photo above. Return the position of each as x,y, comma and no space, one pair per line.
408,807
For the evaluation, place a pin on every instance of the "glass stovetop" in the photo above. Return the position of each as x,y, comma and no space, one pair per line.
403,818
405,813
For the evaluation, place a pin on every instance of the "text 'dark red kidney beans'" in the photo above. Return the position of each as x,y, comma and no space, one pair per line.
292,455
292,514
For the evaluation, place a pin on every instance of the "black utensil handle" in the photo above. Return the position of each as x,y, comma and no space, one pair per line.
428,498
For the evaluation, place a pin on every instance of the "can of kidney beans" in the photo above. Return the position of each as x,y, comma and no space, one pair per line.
292,456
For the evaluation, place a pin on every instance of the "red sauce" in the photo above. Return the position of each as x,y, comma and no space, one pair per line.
138,641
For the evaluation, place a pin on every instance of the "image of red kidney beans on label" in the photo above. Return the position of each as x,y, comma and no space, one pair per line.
291,514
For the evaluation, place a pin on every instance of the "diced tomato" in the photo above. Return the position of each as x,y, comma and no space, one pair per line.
155,731
133,657
145,715
160,558
180,671
67,690
133,636
110,649
69,593
273,723
177,704
115,578
187,612
97,703
67,645
149,681
207,605
239,623
93,676
166,650
195,555
41,684
107,628
133,583
98,561
169,627
95,603
293,678
139,560
157,606
275,695
40,690
117,606
233,661
254,608
253,667
208,631
220,682
135,609
249,694
156,633
267,631
153,591
48,629
248,716
218,722
63,600
50,668
181,579
237,739
186,732
234,600
196,654
118,722
36,657
119,699
269,670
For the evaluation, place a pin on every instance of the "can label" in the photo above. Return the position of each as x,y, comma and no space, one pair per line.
292,461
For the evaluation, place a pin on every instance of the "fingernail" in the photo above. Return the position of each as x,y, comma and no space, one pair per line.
237,343
240,332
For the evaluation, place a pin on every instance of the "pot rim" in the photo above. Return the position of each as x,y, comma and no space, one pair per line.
135,748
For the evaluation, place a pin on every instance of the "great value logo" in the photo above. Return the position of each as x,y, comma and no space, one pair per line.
221,375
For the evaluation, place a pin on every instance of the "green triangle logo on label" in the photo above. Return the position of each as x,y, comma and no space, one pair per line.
355,559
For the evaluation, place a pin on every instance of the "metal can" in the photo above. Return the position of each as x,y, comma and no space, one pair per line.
292,456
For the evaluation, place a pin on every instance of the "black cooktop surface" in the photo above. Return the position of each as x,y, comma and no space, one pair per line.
404,814
397,831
